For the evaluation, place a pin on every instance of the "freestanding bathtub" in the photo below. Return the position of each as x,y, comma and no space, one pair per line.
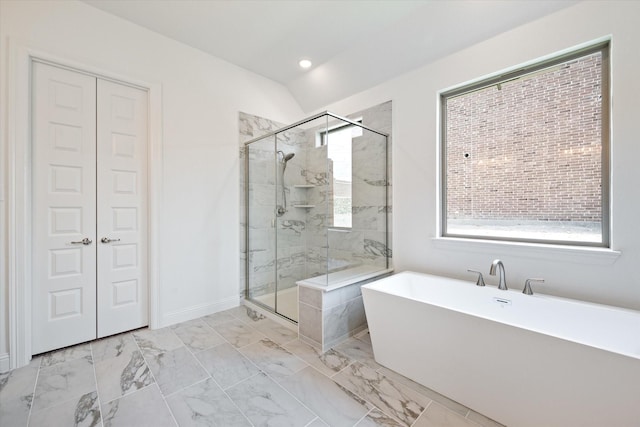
522,360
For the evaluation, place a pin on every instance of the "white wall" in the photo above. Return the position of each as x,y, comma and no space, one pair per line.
201,99
581,275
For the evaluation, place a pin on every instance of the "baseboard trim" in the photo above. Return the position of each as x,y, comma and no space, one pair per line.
4,363
199,311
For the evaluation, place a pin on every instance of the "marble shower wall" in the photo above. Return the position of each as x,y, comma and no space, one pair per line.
262,254
368,242
304,247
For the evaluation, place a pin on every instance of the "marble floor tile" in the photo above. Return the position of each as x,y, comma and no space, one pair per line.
16,394
63,381
219,318
335,405
205,404
66,355
265,403
226,365
425,391
238,333
482,420
317,423
437,415
115,346
84,412
396,400
364,336
175,370
275,332
122,375
273,359
359,350
378,418
157,341
197,335
144,408
329,362
246,314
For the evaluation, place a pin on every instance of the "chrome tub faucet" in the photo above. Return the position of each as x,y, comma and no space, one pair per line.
497,264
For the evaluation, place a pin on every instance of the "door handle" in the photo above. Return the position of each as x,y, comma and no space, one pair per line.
85,241
108,240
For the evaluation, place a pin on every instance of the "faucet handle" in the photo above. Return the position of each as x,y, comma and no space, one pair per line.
480,281
527,286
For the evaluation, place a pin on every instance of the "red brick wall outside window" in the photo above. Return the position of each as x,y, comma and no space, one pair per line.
529,149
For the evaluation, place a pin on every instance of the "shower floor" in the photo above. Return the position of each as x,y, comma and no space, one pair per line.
287,302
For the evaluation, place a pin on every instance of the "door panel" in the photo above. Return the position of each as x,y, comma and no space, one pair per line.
122,208
63,208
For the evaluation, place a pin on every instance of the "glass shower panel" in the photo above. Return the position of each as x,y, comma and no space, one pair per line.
357,161
261,219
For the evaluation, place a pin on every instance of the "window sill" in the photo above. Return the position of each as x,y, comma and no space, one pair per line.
577,254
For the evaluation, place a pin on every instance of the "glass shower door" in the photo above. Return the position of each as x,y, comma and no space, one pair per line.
261,231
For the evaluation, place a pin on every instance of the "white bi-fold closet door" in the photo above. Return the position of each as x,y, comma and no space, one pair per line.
89,208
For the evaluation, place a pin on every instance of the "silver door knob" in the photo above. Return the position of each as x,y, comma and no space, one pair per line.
85,241
108,240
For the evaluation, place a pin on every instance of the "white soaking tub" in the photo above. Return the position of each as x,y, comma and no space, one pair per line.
522,360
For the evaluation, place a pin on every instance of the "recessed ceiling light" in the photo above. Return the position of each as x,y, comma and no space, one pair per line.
304,63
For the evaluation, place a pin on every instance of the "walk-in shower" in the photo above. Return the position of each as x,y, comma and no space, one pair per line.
316,209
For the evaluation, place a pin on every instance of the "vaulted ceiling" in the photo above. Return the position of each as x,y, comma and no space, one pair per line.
354,44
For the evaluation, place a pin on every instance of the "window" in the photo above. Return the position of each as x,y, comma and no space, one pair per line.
338,141
526,154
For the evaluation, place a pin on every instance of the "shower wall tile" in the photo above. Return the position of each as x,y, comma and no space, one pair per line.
250,127
305,248
310,296
343,321
310,322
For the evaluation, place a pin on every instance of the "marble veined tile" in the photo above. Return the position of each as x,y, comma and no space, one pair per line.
175,369
265,403
378,418
62,382
437,415
219,318
329,362
84,412
238,333
402,403
66,355
364,336
246,314
121,375
226,365
359,350
274,331
197,335
157,341
205,404
273,359
111,347
142,408
16,394
317,423
482,420
333,403
433,395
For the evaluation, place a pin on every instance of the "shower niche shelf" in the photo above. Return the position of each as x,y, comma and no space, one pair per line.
304,186
304,206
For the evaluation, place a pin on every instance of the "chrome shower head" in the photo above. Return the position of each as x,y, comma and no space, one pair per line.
285,157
